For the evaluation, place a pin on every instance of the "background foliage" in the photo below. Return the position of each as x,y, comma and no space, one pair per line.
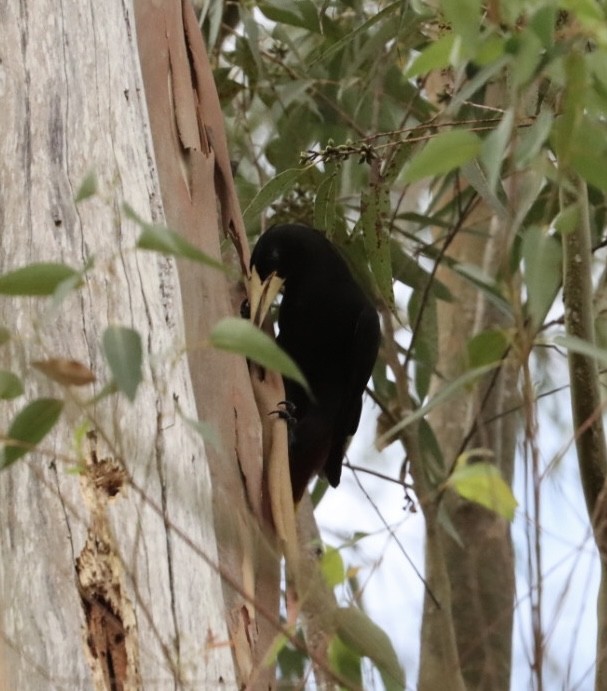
391,126
379,123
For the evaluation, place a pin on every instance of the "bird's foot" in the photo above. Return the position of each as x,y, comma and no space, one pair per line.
286,412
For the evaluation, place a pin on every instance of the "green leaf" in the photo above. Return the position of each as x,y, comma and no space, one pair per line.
30,426
532,139
486,284
272,653
443,153
578,345
88,188
244,338
375,207
292,665
487,347
324,204
204,429
62,291
362,29
444,395
409,272
159,238
435,56
123,351
494,148
363,636
319,490
270,192
36,279
527,55
302,13
543,267
543,23
464,16
494,196
425,348
345,662
481,482
10,385
567,219
332,567
5,335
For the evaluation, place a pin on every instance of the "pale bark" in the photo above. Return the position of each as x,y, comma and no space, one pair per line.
481,564
72,101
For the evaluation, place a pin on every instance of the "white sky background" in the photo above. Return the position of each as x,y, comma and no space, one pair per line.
393,593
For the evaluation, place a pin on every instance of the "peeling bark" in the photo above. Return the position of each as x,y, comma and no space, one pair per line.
200,202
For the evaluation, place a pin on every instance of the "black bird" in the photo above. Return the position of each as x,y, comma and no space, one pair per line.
330,329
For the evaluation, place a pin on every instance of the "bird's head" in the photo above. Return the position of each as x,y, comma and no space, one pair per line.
276,258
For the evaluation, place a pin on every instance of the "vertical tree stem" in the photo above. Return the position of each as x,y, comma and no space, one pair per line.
585,396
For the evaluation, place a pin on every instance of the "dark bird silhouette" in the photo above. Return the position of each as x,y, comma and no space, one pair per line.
330,329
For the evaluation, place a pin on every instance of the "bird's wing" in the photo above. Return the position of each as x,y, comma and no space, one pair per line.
365,344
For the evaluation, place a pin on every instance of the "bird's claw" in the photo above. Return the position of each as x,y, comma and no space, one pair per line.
287,412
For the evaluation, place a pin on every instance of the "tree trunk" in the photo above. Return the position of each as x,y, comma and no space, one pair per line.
200,201
107,578
481,564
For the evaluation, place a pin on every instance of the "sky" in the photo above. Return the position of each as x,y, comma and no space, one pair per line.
393,592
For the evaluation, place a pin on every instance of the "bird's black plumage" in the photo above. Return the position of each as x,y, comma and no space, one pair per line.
331,330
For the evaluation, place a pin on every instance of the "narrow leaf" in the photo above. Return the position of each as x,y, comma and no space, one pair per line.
10,385
464,16
30,426
324,204
123,351
443,153
158,238
271,191
578,345
543,261
442,396
494,148
375,206
494,196
361,634
487,347
36,279
345,662
408,271
425,349
301,13
435,56
88,188
244,338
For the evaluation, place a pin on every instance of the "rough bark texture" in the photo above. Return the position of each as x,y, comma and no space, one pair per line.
104,575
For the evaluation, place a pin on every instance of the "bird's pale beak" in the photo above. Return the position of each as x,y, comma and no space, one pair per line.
262,294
